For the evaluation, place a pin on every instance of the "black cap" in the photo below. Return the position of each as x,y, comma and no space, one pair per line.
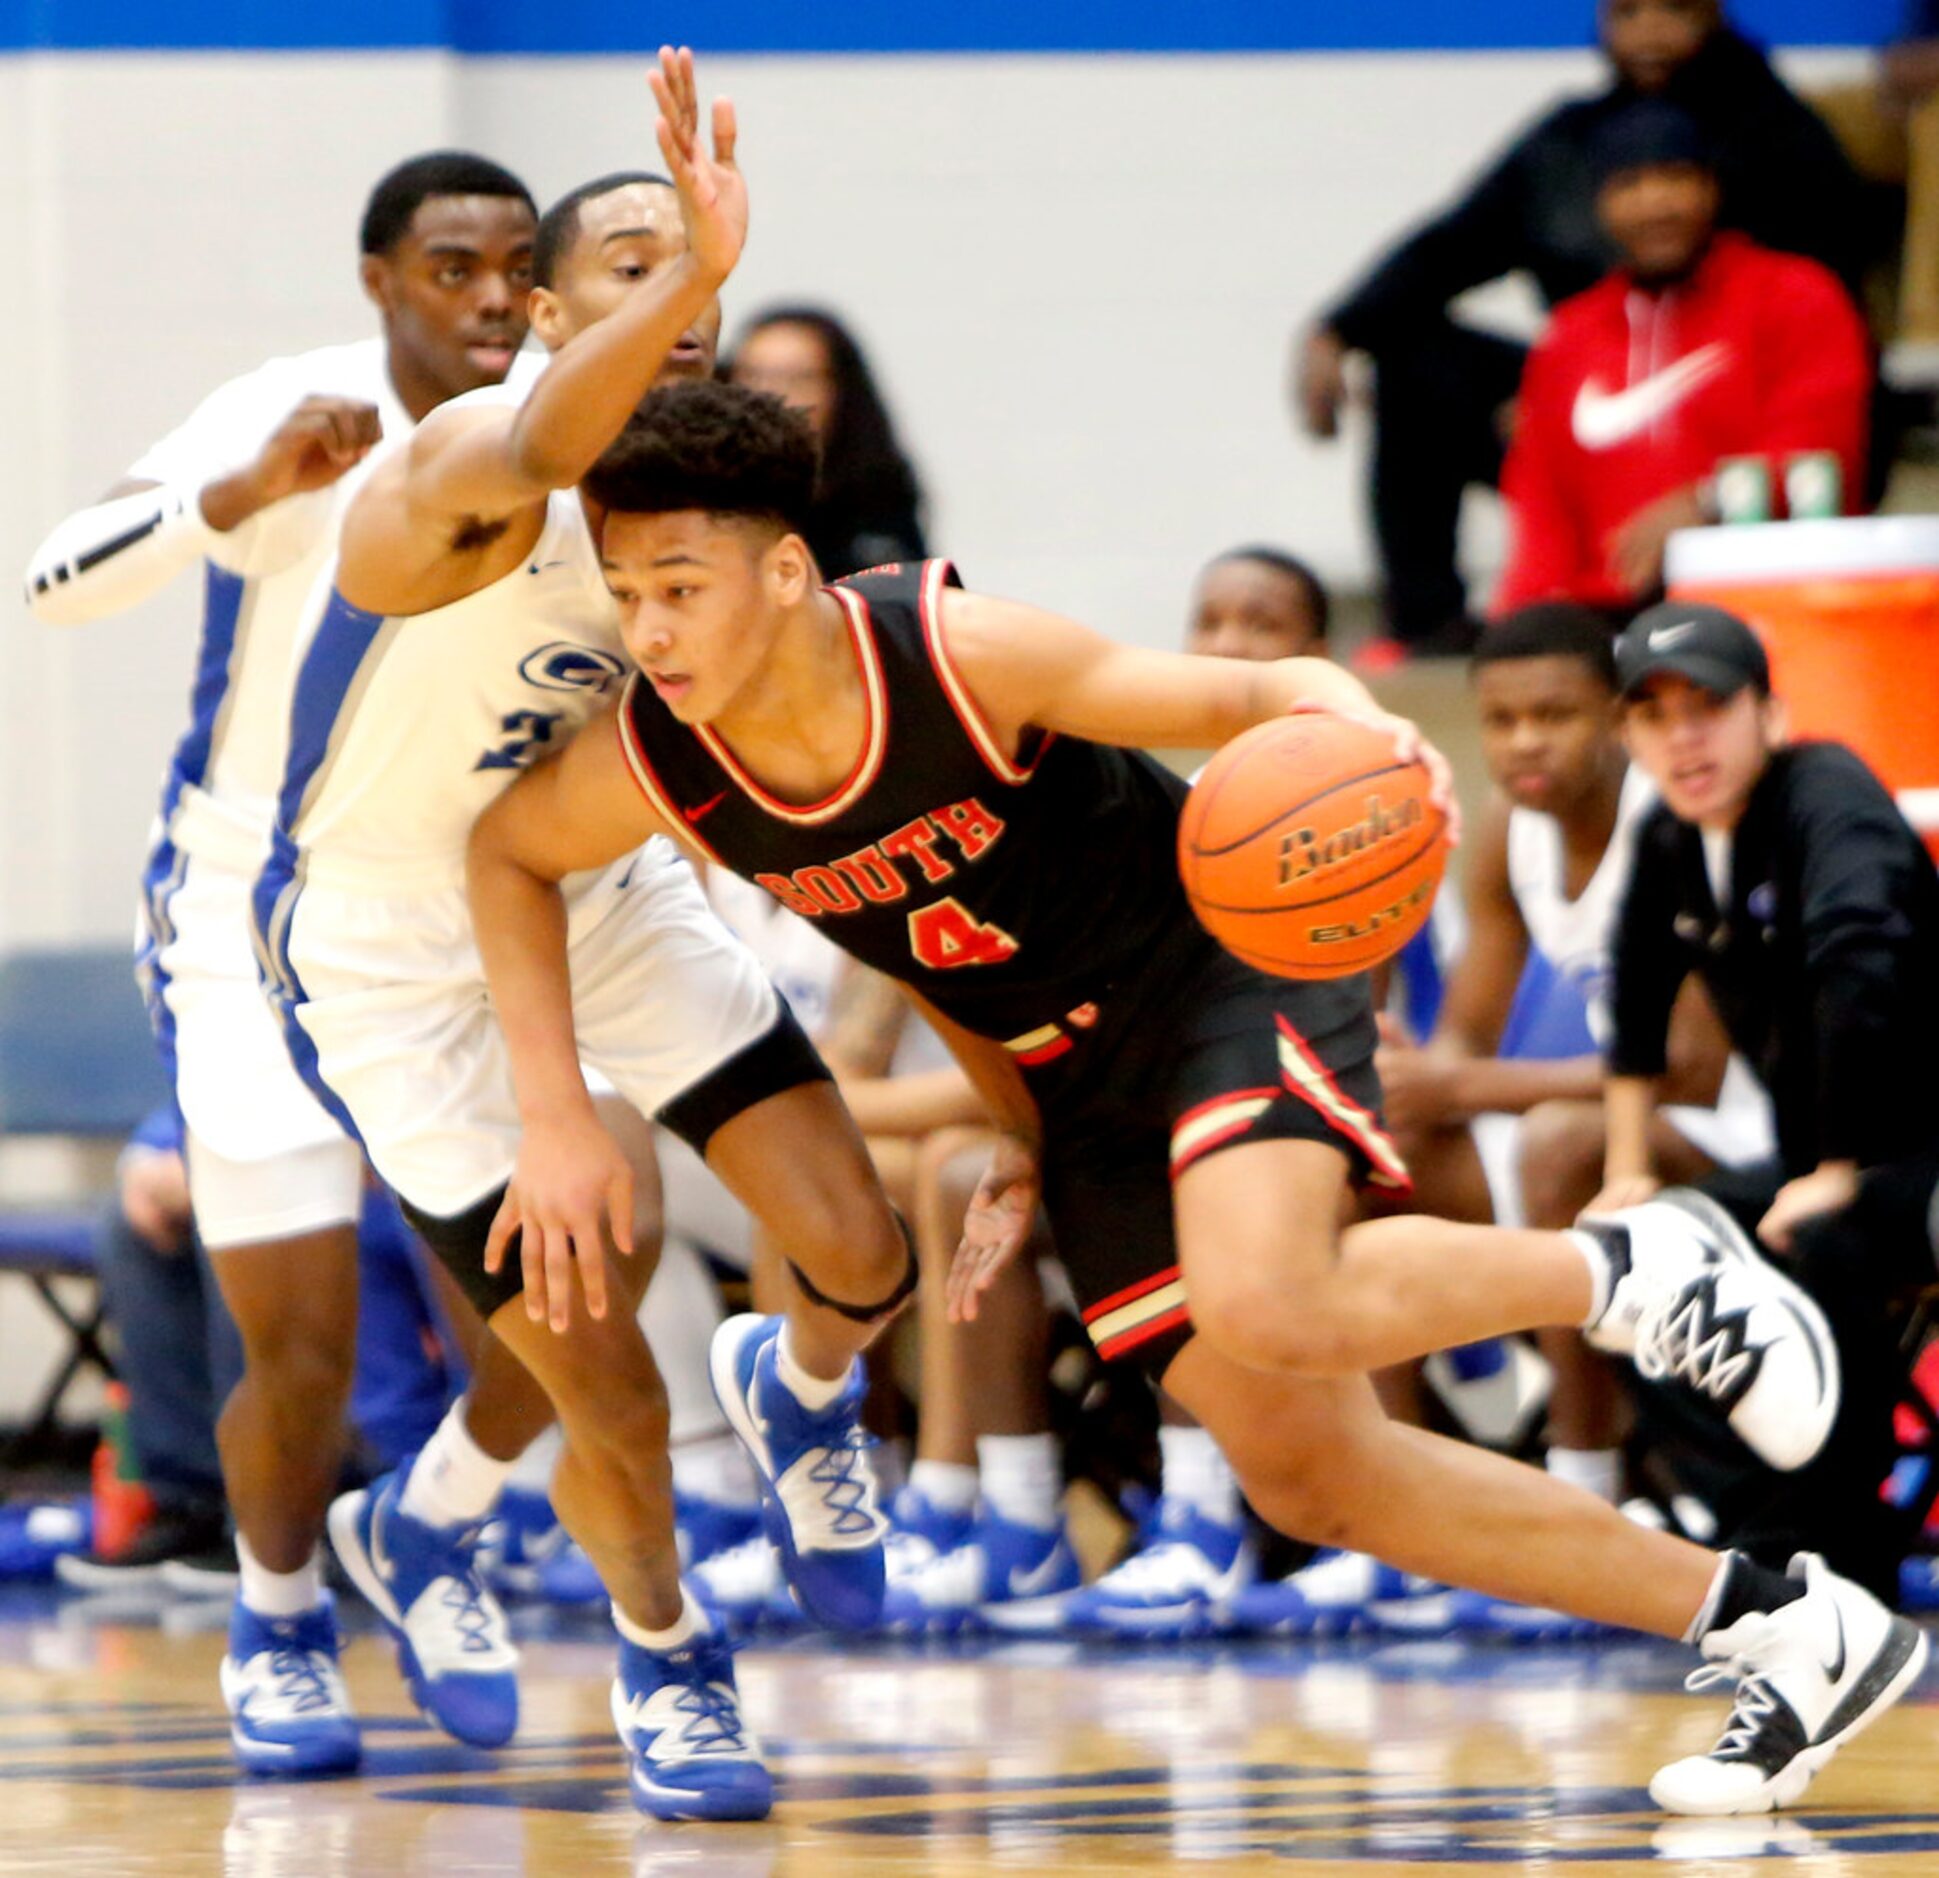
1646,131
1704,644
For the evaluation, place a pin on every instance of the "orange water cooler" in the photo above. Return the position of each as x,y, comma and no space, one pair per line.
1849,611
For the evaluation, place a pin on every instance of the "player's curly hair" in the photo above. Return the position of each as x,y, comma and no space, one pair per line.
721,448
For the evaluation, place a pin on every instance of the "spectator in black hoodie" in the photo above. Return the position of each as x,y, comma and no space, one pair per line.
1440,386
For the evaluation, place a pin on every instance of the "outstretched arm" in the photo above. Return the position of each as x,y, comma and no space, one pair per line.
484,466
580,811
1025,666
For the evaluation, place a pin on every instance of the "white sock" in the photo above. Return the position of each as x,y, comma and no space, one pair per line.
1601,1278
715,1469
1599,1470
1022,1479
679,1314
692,1622
948,1486
814,1393
453,1480
278,1594
1195,1471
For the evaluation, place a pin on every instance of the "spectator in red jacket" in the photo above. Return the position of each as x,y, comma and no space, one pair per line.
1701,346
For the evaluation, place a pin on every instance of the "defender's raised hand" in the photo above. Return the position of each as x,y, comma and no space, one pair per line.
713,194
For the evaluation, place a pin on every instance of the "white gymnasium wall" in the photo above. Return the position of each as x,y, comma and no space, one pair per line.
1077,276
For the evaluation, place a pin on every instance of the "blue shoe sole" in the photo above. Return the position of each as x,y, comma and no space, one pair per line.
750,1802
274,1760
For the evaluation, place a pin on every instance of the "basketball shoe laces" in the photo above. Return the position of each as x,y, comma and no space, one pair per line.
464,1596
713,1724
1754,1710
844,1491
299,1676
1692,1342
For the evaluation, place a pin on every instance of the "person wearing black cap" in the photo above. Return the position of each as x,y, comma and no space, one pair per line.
1700,348
1440,384
1785,877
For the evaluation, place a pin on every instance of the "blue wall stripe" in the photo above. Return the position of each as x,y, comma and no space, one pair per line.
544,26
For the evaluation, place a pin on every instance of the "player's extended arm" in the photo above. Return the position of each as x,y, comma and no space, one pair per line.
579,811
580,403
1004,1207
118,552
1025,666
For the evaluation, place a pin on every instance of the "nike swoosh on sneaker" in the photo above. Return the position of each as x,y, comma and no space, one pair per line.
1602,419
1040,1578
380,1558
1836,1668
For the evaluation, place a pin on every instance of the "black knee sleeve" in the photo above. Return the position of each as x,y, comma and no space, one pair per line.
867,1313
460,1245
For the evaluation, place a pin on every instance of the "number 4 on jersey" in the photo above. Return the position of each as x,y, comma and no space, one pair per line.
944,936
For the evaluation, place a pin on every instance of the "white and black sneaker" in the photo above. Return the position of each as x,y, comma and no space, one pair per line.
1809,1676
1692,1303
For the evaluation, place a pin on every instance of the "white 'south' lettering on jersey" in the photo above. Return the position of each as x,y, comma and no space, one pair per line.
1576,936
219,796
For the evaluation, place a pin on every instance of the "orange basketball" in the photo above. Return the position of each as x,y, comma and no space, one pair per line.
1309,849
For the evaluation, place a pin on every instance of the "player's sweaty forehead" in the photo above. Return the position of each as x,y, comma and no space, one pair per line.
646,213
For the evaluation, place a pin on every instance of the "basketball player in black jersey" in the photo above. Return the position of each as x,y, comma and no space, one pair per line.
948,783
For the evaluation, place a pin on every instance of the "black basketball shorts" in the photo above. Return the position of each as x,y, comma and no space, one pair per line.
1199,1054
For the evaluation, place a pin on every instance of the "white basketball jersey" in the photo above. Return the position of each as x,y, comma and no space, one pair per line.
404,730
1577,936
219,795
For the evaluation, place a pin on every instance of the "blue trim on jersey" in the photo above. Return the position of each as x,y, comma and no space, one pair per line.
188,767
337,651
970,26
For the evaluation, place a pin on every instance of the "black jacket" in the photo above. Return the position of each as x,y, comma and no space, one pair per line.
1786,184
1824,964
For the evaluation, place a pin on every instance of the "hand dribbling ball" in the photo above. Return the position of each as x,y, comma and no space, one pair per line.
1310,849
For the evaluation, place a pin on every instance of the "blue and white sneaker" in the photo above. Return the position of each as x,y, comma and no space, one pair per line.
1481,1615
919,1531
689,1754
1339,1593
1006,1575
1186,1571
288,1710
423,1581
703,1528
817,1488
743,1589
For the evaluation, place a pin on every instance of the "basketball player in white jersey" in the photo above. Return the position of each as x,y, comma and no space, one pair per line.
1520,1139
465,632
253,484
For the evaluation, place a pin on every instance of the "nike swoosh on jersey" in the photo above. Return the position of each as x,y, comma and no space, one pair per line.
1602,419
693,815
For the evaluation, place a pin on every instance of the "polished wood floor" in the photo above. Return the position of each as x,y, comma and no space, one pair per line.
1015,1759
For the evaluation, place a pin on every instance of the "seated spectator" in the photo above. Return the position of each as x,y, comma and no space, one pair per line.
1441,386
868,506
1701,347
1785,877
1519,1139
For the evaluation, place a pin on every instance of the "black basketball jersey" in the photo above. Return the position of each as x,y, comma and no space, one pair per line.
1013,893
